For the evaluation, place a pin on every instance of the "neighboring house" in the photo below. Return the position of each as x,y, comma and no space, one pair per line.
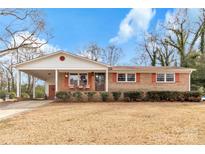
63,71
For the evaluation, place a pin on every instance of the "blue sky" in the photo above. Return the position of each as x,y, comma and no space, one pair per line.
73,29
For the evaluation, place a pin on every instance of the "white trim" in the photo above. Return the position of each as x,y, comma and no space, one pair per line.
126,78
106,80
61,52
65,69
34,87
165,78
56,80
189,81
18,83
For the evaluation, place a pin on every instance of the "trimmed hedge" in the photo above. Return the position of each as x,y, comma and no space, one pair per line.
133,96
63,95
90,95
104,96
173,96
116,95
153,96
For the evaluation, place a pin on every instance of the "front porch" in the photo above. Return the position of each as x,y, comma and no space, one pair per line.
67,80
64,71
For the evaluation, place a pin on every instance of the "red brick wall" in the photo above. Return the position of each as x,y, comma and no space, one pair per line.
147,82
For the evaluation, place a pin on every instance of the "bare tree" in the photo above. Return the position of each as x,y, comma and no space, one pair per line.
150,48
19,39
112,54
183,35
92,51
22,28
166,54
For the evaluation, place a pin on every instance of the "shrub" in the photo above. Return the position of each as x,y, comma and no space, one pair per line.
63,95
78,96
2,94
25,95
193,96
90,95
104,96
133,96
173,96
12,95
116,95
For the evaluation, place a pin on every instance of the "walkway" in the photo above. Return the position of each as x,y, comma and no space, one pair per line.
10,110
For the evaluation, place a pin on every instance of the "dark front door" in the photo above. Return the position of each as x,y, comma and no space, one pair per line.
100,81
51,92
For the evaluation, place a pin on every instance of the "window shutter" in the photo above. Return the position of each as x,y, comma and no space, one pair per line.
137,77
114,77
153,77
177,77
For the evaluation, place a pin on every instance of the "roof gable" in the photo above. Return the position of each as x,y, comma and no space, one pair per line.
52,61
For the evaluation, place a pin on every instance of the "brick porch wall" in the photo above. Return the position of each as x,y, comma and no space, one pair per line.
63,83
145,83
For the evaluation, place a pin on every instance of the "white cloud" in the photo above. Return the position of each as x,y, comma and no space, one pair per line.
136,20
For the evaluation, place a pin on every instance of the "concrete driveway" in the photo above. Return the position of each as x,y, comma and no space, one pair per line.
12,109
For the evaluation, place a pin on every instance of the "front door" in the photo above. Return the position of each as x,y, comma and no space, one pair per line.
100,81
51,92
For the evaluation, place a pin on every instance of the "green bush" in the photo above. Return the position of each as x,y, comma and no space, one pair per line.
116,95
25,95
173,96
104,96
193,96
90,95
133,96
2,94
12,95
63,96
78,96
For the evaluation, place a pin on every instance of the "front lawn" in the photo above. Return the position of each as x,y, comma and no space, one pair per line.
108,123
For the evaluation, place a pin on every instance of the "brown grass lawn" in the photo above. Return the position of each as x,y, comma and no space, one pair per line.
108,123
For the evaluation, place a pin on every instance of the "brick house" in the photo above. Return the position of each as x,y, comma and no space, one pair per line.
63,71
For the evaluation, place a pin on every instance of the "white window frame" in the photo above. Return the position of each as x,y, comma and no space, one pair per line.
78,73
165,78
126,81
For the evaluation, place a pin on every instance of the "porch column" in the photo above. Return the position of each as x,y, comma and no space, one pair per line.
106,80
34,87
56,80
18,83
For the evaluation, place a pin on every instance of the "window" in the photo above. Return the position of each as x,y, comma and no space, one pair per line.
74,78
166,77
170,77
77,79
121,77
130,77
160,77
83,79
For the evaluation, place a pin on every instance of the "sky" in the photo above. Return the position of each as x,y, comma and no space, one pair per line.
74,29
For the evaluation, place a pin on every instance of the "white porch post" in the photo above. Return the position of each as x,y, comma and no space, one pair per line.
189,81
34,87
56,80
106,81
18,83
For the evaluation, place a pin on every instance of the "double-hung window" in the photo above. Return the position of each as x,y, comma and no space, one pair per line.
126,77
165,77
122,77
77,79
131,77
160,77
